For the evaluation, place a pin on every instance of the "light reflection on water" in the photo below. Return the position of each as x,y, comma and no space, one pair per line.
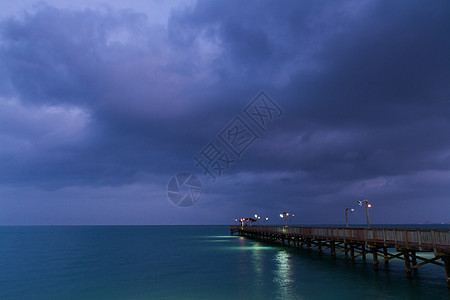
281,272
257,261
283,275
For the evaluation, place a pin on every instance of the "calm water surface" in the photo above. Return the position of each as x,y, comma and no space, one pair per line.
189,262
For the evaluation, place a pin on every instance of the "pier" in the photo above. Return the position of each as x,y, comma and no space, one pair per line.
383,244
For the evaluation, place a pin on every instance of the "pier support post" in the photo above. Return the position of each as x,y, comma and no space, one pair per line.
414,259
446,260
407,264
385,252
363,249
375,258
333,249
352,252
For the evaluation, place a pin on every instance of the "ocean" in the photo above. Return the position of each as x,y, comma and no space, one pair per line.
189,262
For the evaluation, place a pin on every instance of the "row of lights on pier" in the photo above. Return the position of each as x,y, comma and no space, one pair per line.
289,216
286,215
265,219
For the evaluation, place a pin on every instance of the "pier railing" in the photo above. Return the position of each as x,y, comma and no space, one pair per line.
414,239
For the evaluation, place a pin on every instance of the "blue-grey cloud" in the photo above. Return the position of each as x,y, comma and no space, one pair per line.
106,98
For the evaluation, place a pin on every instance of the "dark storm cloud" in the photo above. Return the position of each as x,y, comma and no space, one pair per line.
378,71
101,98
364,88
110,64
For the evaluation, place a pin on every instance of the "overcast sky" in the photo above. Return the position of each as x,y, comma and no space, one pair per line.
102,103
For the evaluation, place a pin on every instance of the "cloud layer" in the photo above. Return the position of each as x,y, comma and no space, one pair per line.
96,101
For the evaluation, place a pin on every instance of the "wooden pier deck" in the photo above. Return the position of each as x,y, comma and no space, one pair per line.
383,244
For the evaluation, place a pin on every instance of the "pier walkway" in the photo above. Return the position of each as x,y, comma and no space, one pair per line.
383,244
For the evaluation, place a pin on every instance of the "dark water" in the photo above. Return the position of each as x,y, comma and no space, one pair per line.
189,262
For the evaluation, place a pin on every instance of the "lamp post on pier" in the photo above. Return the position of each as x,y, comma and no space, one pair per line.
346,216
368,205
286,215
257,218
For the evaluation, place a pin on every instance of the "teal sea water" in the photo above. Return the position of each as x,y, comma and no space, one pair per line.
189,262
